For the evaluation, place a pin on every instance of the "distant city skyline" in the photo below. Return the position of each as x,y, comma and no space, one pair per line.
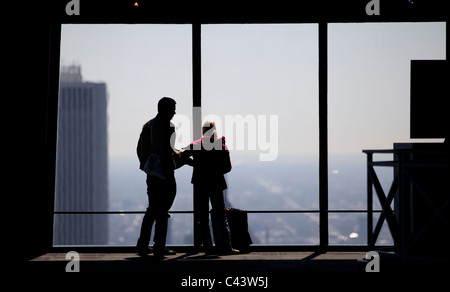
285,186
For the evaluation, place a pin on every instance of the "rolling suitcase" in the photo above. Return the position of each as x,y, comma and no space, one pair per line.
238,223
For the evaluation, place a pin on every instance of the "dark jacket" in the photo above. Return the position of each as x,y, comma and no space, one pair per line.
211,161
163,140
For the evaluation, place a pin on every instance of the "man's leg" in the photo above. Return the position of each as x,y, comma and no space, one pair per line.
163,201
147,222
146,231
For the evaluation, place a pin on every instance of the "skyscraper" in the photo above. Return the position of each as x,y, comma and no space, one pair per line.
82,160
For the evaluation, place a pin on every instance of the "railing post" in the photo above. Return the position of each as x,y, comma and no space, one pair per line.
369,202
400,246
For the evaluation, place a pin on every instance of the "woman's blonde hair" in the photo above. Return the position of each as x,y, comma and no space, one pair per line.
209,128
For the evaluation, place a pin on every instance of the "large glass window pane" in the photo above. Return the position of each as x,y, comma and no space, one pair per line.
260,86
112,77
351,229
77,229
369,104
284,228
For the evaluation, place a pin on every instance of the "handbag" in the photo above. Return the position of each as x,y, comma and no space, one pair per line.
153,165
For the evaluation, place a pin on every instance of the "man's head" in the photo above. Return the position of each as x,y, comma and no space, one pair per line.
166,107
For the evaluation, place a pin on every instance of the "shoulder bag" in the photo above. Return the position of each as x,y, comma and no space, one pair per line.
154,165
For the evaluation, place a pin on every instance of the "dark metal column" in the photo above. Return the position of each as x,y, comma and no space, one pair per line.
323,134
196,80
196,104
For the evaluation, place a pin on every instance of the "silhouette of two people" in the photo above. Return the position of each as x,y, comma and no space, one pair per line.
211,160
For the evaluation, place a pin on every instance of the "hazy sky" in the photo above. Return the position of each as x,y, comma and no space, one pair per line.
369,81
259,70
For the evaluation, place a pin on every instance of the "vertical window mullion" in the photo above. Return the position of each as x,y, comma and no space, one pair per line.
323,134
196,104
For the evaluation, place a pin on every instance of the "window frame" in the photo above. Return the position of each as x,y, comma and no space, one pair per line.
323,211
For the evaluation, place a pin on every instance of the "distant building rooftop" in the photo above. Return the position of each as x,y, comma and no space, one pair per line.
71,73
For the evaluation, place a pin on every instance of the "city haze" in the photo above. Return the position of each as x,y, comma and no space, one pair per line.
258,70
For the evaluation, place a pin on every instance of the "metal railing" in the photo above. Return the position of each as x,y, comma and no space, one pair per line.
396,219
385,201
316,211
191,212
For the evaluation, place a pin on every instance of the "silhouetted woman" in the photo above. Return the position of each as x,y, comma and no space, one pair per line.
211,161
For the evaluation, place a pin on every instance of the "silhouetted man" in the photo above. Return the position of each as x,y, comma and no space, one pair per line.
158,136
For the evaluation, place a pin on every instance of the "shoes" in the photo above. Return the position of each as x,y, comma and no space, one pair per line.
230,252
159,254
144,250
169,252
210,252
